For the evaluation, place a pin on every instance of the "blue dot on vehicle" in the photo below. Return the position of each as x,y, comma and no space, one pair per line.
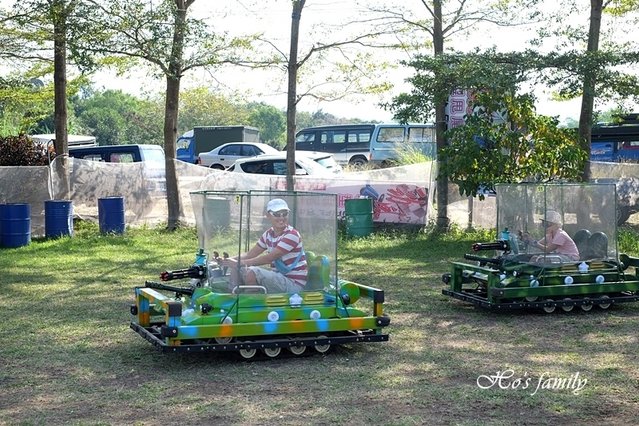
270,327
190,332
322,324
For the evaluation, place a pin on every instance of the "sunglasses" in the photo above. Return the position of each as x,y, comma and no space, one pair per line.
280,214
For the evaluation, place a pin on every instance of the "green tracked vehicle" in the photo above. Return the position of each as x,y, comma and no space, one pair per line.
525,273
204,311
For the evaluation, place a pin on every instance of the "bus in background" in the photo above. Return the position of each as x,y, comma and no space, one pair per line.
359,144
616,142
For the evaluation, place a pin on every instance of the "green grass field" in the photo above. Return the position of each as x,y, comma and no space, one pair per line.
67,355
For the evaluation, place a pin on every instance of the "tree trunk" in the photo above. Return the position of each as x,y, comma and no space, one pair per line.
291,108
590,80
59,11
442,222
170,136
171,112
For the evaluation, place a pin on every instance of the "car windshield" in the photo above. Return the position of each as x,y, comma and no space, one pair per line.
312,167
268,149
154,154
328,162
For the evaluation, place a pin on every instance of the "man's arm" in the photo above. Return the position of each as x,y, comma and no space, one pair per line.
264,259
255,251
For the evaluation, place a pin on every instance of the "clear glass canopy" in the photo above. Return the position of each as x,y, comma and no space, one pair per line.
530,217
229,223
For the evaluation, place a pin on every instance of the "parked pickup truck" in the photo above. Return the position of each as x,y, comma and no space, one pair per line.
152,157
118,153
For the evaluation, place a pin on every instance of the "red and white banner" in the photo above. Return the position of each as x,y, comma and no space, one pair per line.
392,202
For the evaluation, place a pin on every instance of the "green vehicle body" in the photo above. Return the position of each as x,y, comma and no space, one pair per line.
202,313
517,277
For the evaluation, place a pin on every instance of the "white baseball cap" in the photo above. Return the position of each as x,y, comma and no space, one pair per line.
552,217
276,205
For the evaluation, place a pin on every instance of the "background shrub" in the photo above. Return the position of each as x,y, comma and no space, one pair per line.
24,151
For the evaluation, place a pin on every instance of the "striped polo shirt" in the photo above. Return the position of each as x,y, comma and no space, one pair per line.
291,243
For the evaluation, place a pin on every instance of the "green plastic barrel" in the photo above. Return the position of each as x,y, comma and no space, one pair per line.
358,213
217,213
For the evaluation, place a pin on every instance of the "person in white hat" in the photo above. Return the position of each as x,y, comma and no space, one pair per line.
556,240
280,247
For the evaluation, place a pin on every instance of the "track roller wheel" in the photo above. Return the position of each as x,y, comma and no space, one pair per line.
587,305
322,348
223,340
549,309
531,298
248,353
568,308
604,305
272,352
297,350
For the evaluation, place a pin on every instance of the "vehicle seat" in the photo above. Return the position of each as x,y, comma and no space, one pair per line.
581,241
318,271
598,245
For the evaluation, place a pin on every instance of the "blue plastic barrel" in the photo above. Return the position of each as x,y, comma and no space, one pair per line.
58,218
15,224
111,215
1,213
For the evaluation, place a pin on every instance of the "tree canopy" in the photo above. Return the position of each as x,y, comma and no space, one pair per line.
526,148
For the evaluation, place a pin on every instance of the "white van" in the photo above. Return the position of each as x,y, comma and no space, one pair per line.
359,144
389,141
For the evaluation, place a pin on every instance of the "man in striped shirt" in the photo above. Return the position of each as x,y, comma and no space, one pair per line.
281,248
